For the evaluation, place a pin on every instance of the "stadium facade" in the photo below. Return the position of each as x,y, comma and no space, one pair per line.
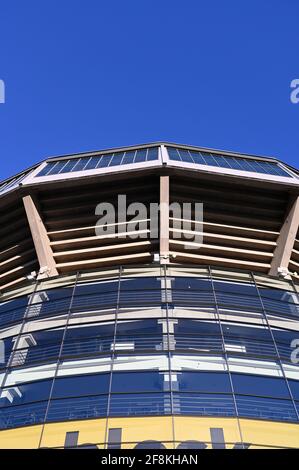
115,340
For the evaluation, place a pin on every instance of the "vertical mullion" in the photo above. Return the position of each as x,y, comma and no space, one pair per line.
112,357
226,356
7,369
59,359
164,272
275,346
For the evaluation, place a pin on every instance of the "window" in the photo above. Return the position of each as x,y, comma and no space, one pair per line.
99,161
225,161
260,386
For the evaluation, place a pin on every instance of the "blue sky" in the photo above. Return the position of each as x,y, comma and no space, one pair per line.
84,75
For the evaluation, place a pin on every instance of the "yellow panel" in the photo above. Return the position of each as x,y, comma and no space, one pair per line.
143,429
137,429
90,432
21,438
198,429
269,433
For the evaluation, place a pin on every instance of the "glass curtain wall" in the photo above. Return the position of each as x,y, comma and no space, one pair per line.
167,341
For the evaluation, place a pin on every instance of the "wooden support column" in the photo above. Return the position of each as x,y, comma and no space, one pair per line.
286,238
164,219
40,238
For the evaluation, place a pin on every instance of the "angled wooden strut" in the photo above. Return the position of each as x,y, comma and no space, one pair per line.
286,238
40,238
164,219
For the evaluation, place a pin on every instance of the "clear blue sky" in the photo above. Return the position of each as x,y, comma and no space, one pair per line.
84,75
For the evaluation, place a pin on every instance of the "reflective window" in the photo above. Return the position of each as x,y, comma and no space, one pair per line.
161,323
123,382
203,404
225,161
25,393
89,297
203,382
99,161
266,408
24,415
140,404
85,407
260,386
81,385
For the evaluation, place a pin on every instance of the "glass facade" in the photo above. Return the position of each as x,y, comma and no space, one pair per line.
13,183
164,342
226,161
100,161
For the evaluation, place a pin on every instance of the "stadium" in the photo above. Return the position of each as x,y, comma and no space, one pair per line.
117,336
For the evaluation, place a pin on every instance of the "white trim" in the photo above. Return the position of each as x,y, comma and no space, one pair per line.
230,172
34,179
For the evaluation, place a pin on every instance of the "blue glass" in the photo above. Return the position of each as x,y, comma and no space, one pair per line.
41,353
24,415
25,393
140,404
197,158
95,296
93,163
191,283
128,158
77,408
140,156
82,385
139,327
196,327
87,347
217,382
78,332
185,156
117,159
225,161
266,408
203,404
260,386
209,159
99,161
152,154
174,154
67,168
47,168
135,382
294,386
13,311
81,163
105,161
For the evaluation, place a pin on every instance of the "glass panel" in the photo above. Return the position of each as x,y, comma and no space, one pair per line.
203,404
266,408
203,382
237,163
25,393
81,385
262,386
140,156
135,382
77,408
140,404
23,415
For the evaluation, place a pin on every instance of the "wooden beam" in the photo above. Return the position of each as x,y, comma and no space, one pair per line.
134,258
40,238
239,253
216,261
286,238
164,219
76,255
